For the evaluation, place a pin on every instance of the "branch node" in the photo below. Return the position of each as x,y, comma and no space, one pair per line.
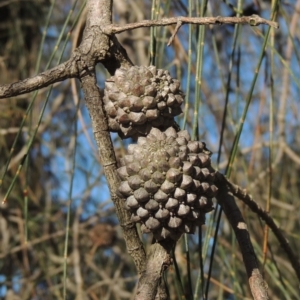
253,20
107,30
178,25
218,20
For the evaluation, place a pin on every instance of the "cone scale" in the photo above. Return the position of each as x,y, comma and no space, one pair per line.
139,98
168,183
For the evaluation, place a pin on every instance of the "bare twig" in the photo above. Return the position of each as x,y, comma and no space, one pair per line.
235,218
248,200
291,154
115,56
29,244
253,20
178,25
80,293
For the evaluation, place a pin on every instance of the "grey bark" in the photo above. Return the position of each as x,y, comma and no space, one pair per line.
258,286
95,47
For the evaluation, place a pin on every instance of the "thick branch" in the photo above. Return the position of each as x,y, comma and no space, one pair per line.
151,284
94,46
235,218
99,13
108,160
59,73
253,20
248,200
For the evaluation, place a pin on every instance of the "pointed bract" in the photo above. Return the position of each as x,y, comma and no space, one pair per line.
141,95
168,183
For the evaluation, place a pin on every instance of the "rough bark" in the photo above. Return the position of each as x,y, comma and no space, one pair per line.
89,54
248,200
151,285
258,286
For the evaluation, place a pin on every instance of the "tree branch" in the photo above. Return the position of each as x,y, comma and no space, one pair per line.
253,20
94,48
151,284
89,53
108,161
226,200
59,73
248,200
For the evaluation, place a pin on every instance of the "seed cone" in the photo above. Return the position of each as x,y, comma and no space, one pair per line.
167,181
140,98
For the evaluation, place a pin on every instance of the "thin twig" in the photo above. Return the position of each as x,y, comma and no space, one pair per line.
178,25
74,67
253,20
291,154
